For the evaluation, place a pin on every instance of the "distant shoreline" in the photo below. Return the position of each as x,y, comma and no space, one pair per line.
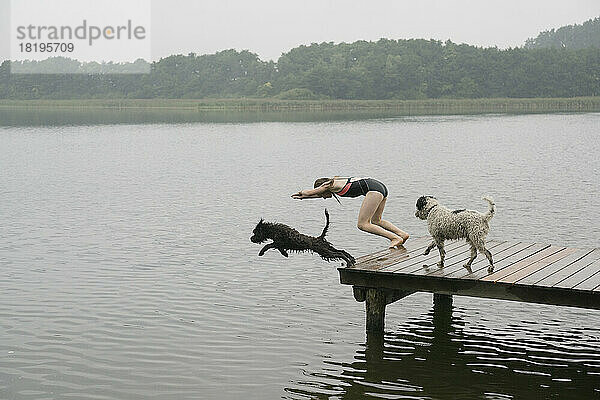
401,107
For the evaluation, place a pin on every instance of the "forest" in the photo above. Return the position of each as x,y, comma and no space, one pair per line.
569,36
383,69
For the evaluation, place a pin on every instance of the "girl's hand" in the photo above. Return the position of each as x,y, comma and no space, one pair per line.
297,195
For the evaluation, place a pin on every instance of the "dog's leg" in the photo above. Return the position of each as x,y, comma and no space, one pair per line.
480,244
473,255
282,251
428,249
489,257
336,255
350,261
344,255
440,247
267,247
331,253
328,252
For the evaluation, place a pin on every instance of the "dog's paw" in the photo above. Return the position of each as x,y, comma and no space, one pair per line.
426,252
440,264
491,269
468,268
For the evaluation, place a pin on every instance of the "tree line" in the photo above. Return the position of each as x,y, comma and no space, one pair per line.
569,36
383,69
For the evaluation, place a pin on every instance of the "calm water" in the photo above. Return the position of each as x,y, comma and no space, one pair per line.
127,270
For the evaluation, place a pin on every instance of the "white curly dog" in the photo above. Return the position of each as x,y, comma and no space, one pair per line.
445,224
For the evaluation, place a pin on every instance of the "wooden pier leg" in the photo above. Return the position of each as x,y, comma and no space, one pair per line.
375,307
442,312
375,302
442,301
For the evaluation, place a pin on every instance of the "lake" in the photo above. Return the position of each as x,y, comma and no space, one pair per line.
127,270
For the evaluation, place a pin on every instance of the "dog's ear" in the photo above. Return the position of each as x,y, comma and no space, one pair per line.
261,221
421,202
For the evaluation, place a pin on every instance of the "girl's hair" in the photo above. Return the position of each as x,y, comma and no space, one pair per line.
321,181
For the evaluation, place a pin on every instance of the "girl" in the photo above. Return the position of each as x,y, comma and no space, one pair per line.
371,210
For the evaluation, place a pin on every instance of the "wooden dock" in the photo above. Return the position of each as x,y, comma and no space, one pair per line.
526,272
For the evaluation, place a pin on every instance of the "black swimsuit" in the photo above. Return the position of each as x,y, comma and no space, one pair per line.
361,187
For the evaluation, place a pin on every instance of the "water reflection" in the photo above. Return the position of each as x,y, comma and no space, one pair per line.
439,356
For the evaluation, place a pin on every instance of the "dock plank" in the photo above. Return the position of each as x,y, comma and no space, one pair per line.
553,268
537,266
495,247
507,262
420,259
580,276
456,255
373,256
569,269
409,259
591,283
497,275
392,256
482,264
408,246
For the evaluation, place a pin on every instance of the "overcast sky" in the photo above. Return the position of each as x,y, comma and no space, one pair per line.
270,27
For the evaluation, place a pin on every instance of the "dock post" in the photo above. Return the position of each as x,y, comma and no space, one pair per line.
442,312
442,301
375,303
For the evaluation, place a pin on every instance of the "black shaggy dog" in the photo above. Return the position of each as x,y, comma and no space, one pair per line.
287,239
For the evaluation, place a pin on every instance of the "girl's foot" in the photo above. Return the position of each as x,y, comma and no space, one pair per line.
396,242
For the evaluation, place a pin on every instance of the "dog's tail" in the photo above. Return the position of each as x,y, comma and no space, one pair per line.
326,225
491,209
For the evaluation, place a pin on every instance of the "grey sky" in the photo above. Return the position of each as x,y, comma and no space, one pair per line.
270,27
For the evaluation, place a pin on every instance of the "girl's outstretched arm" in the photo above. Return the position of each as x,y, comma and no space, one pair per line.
314,193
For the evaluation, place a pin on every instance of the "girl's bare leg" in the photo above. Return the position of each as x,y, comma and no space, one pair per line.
368,208
377,220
